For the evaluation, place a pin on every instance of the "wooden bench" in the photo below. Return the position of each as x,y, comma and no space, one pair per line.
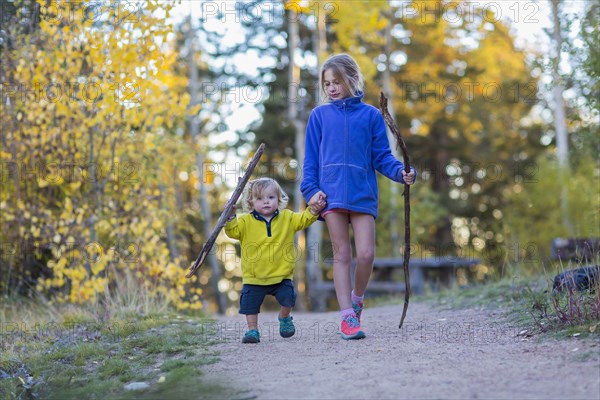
436,271
575,249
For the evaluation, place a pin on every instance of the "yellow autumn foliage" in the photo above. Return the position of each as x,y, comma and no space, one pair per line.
86,179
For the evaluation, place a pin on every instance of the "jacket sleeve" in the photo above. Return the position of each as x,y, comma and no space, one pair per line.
233,228
303,220
310,179
381,154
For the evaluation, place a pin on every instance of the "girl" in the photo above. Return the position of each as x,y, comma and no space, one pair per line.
266,234
346,143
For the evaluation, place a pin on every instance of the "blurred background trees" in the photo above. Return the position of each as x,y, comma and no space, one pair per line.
111,169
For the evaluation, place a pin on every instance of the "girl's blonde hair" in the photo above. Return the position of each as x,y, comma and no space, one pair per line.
346,70
257,187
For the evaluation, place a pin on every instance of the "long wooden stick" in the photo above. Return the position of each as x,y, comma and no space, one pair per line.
383,106
226,212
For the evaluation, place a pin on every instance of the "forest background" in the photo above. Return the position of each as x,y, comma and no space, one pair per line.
117,149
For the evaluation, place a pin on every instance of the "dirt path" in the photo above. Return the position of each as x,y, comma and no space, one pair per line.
439,354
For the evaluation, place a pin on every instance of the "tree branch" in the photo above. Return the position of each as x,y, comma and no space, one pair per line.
226,212
383,106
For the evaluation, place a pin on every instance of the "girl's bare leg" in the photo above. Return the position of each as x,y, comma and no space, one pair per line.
363,227
337,224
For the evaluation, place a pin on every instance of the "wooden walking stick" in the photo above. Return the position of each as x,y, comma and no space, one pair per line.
226,212
383,106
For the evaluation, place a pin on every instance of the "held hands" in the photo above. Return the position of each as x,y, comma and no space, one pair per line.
317,202
409,178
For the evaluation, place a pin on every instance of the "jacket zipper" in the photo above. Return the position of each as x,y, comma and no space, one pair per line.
346,141
267,223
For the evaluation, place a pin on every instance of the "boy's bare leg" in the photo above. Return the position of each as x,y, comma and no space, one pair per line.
285,312
252,321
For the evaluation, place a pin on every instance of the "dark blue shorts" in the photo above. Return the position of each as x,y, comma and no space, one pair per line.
254,295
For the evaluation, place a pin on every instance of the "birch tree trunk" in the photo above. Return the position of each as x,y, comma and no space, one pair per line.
560,126
204,206
293,101
173,251
394,187
314,238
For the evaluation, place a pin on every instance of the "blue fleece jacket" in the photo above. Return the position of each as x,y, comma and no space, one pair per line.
346,143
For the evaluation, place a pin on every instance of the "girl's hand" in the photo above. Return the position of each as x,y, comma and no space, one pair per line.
317,202
409,178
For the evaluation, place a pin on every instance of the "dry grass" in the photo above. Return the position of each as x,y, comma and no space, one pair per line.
50,350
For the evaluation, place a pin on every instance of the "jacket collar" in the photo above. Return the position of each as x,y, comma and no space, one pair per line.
349,102
267,223
260,217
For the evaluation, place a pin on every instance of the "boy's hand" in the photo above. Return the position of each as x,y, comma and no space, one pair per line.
409,178
231,216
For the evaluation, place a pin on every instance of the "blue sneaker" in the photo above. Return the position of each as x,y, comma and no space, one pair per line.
251,336
286,327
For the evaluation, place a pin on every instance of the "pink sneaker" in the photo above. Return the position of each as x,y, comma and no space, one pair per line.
351,328
358,308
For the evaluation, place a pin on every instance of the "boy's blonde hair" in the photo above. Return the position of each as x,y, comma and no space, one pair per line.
346,70
257,187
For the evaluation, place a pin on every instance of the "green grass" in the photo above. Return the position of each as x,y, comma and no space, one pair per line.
115,367
498,295
528,303
82,357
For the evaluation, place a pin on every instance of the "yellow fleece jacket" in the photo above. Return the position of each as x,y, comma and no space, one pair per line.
268,251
